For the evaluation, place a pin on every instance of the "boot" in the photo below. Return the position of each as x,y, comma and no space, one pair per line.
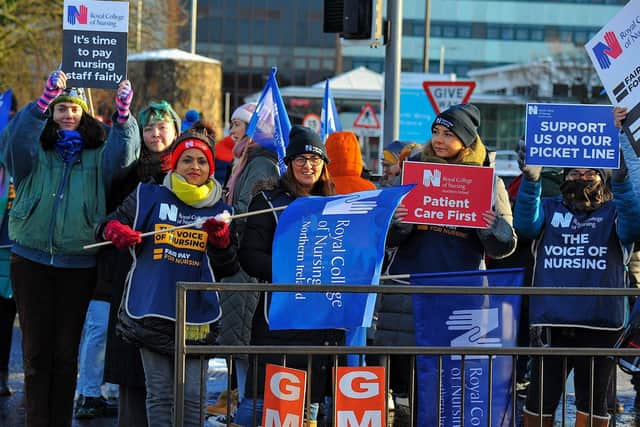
532,419
582,420
4,384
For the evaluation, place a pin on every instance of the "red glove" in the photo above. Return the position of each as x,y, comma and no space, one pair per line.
121,235
218,232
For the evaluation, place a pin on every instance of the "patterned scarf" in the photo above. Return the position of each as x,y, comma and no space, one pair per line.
68,144
240,154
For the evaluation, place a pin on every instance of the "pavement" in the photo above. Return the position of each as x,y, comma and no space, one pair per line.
12,409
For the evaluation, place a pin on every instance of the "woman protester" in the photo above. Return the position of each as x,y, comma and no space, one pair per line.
159,127
427,248
307,175
63,162
147,316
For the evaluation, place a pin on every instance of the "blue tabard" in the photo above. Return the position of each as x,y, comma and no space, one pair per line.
164,259
434,248
579,250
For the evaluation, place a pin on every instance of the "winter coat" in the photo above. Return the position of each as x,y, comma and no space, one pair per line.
427,248
255,258
345,163
58,204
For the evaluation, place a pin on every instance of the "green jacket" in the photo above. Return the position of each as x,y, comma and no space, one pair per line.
58,204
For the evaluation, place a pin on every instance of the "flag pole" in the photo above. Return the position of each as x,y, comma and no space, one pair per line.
193,224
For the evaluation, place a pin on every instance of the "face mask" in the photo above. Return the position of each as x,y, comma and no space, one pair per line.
581,195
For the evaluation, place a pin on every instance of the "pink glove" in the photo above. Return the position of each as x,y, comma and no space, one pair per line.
218,232
121,235
53,87
124,94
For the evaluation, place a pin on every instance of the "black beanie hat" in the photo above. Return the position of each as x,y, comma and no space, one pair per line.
304,140
461,119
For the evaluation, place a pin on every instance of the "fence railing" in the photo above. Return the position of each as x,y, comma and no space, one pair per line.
182,350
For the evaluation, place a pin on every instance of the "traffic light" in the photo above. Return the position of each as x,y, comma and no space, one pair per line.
354,19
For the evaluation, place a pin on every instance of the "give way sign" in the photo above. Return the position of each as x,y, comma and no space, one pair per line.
443,95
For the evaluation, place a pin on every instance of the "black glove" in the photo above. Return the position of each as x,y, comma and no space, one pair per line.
531,173
619,175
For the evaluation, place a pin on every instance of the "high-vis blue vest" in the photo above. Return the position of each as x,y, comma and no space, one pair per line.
579,250
164,259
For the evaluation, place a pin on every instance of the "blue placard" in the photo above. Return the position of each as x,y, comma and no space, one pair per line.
571,135
416,115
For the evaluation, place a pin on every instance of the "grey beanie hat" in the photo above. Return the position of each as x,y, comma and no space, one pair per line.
461,119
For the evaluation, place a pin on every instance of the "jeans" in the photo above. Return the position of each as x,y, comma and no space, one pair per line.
52,303
158,373
94,338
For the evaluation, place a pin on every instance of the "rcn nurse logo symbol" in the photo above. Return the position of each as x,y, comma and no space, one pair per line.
561,220
352,205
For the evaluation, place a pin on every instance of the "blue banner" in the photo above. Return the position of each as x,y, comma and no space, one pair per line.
329,119
574,136
5,108
270,125
337,240
482,321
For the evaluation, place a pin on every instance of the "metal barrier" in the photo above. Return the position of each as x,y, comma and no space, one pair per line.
182,350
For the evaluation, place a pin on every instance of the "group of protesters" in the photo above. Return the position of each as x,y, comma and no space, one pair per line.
78,181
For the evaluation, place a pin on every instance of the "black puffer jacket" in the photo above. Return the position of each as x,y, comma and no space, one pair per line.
255,257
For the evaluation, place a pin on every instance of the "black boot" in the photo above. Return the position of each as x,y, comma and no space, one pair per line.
4,384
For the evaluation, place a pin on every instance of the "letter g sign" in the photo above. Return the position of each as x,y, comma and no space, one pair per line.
288,391
370,389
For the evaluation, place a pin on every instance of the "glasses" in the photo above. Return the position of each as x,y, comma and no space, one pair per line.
300,161
588,175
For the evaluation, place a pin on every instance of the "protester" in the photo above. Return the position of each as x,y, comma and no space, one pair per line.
63,164
159,127
147,314
307,175
7,303
346,165
390,157
427,248
587,215
252,163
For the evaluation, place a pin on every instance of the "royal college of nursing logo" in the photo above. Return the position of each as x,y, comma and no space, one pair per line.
476,325
607,50
77,15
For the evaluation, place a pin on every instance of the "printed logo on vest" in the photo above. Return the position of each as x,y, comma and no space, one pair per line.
561,220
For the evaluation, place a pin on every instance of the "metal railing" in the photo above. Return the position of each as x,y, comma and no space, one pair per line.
182,350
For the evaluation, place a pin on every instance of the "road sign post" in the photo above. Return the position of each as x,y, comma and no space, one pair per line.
443,94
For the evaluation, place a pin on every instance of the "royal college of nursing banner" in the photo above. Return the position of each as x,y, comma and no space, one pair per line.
337,240
482,321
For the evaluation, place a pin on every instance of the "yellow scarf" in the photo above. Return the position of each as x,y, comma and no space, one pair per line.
189,193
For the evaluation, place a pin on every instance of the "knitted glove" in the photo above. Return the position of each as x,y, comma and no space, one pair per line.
124,94
218,233
531,173
52,88
121,235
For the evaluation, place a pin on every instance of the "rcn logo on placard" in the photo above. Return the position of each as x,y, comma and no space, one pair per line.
352,205
77,15
168,211
431,178
532,110
477,325
607,50
561,220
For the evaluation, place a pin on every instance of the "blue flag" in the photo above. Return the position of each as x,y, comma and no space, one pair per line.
319,240
329,119
269,125
482,321
5,108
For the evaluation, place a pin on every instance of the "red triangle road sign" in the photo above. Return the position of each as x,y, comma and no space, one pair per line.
367,119
443,95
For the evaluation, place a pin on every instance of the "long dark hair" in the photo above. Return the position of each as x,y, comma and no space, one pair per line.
323,187
92,130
